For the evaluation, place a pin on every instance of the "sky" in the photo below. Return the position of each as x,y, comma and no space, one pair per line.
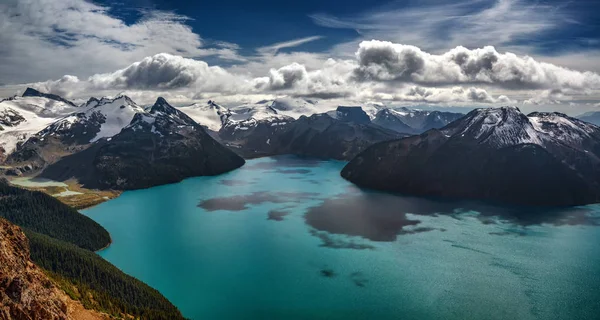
538,55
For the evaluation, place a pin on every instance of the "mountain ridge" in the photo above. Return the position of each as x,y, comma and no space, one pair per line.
496,154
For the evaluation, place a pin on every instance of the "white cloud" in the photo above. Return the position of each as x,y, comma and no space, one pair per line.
386,61
438,25
381,71
274,48
44,39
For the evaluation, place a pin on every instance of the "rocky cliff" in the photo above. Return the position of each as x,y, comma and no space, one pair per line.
25,290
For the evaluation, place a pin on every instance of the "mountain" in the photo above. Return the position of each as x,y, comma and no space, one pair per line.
211,115
161,146
591,117
350,114
30,92
214,116
390,119
26,292
496,154
418,121
319,135
253,120
98,118
22,117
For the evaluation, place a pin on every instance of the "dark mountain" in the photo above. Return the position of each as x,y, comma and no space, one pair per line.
161,146
30,92
319,135
591,117
496,154
351,114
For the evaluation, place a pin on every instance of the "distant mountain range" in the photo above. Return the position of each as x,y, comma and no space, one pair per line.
39,129
497,154
491,153
591,117
294,126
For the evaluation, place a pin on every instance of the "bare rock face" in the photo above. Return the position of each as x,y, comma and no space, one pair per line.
25,290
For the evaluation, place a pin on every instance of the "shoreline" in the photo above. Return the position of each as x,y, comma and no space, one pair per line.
110,242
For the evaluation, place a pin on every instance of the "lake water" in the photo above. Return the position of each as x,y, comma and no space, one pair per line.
287,238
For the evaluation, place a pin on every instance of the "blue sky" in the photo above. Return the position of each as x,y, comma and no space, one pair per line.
538,53
252,24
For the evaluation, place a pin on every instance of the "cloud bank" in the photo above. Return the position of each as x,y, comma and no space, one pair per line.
381,70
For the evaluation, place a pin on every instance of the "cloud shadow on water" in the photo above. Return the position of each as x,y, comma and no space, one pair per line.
242,202
383,217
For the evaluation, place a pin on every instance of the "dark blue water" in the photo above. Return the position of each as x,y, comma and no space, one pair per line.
287,238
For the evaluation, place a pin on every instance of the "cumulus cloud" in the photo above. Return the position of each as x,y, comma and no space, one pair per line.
380,71
440,95
48,38
386,61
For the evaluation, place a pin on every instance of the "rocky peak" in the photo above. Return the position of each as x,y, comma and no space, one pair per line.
162,119
30,92
10,117
161,105
497,127
352,114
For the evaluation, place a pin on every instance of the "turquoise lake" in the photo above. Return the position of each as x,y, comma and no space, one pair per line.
288,238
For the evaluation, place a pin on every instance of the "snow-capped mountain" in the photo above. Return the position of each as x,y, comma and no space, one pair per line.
340,134
507,126
418,120
24,116
93,120
294,107
247,116
210,115
391,119
99,119
250,119
30,92
498,154
160,146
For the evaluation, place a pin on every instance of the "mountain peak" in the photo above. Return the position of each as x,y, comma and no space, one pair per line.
30,92
161,105
353,114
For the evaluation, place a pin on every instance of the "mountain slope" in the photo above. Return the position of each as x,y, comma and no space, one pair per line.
211,115
591,117
318,135
30,92
417,120
161,146
25,290
496,154
390,119
43,213
21,117
97,119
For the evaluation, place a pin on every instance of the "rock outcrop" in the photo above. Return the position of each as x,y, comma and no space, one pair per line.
25,290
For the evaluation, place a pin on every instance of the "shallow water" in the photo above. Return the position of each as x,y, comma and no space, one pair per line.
37,182
287,238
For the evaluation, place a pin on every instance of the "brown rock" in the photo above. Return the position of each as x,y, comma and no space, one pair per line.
25,291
